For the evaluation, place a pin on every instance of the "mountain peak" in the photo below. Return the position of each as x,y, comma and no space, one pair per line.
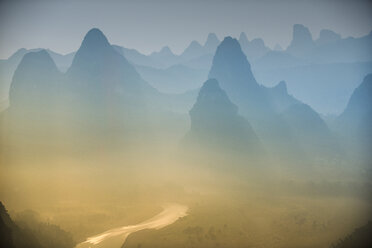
281,86
211,39
258,42
33,80
194,44
302,41
210,85
300,31
166,50
38,59
243,39
215,121
230,43
95,39
211,43
327,36
212,100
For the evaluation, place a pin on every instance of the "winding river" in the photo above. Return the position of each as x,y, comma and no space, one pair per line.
115,238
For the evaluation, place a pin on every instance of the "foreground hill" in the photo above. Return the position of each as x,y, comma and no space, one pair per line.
30,233
216,125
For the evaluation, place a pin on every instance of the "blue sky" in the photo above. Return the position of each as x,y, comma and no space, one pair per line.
147,25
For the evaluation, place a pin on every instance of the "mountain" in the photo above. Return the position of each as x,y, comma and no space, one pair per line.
194,50
327,36
35,82
8,67
280,98
211,43
330,47
243,39
165,56
302,41
215,123
360,237
137,58
175,79
31,233
273,113
360,104
253,49
354,124
310,130
233,72
104,77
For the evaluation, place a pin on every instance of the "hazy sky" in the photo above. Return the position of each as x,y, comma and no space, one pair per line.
147,25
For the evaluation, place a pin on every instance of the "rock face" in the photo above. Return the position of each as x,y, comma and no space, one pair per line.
302,41
35,82
360,104
354,124
253,49
233,72
327,36
215,123
211,43
311,132
98,72
280,98
194,50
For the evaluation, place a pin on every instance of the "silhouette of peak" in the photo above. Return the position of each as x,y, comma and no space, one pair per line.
258,42
19,52
210,85
166,50
243,38
212,99
281,87
328,36
195,44
211,39
39,59
230,43
302,41
95,39
301,32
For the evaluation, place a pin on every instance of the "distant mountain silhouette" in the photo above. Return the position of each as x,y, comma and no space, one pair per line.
360,104
253,49
354,124
35,82
137,58
280,98
215,123
330,47
325,87
274,114
165,57
211,43
311,131
327,36
302,41
233,72
194,50
8,67
104,77
175,79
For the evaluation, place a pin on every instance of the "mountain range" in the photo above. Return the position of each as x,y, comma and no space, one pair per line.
322,73
103,92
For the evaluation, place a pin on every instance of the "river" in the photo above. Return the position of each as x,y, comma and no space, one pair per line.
115,238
